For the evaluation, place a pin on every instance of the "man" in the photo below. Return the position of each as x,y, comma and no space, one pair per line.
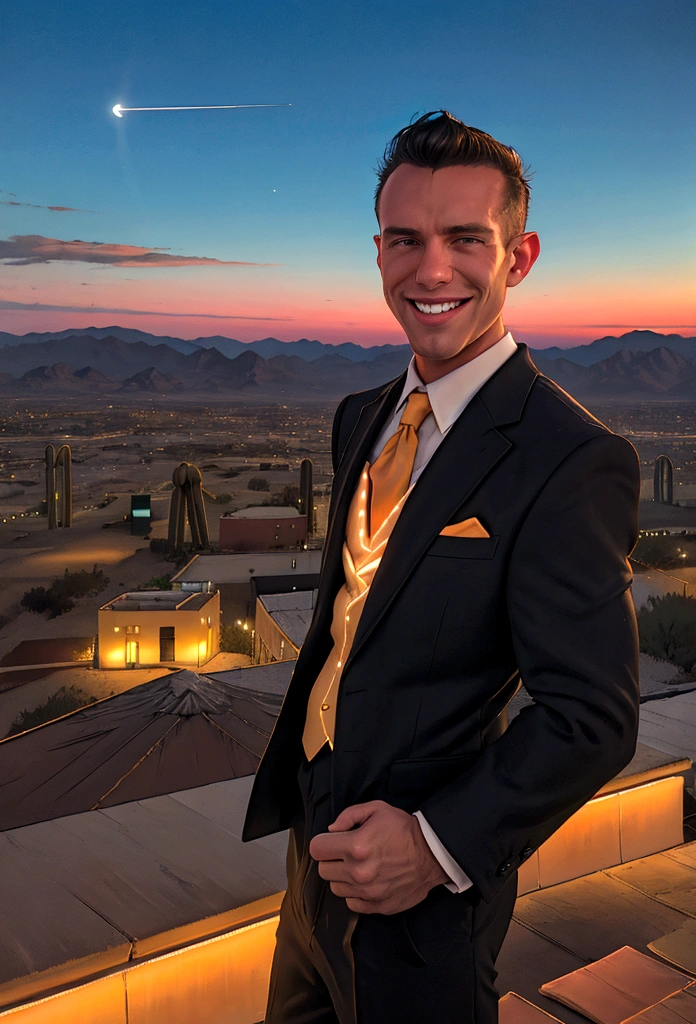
478,534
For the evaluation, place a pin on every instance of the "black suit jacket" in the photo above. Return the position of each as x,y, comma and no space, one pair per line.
451,625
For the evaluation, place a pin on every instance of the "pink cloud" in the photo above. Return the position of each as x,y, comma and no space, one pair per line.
25,250
36,206
10,305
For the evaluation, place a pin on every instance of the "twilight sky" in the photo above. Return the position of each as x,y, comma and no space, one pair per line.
253,223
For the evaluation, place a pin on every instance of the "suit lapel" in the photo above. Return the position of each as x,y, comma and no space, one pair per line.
370,422
472,448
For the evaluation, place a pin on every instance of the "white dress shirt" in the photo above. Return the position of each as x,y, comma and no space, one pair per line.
449,397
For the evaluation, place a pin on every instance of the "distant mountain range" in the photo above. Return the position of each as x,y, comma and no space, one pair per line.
84,363
230,347
638,364
660,373
634,341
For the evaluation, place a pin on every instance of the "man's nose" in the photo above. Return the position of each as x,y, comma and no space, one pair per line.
435,266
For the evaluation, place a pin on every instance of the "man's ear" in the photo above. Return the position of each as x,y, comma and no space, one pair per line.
525,251
378,243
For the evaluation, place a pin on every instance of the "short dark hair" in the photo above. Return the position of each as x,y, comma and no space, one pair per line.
438,139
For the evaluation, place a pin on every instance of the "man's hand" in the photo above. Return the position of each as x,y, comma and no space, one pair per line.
374,855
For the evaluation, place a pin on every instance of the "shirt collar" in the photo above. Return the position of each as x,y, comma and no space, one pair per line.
449,395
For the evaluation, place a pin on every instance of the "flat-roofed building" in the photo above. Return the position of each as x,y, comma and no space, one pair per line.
159,627
263,528
237,575
660,518
282,623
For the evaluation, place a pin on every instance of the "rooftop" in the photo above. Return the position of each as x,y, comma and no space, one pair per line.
158,601
564,927
263,512
171,871
239,568
183,729
164,882
292,612
670,724
654,515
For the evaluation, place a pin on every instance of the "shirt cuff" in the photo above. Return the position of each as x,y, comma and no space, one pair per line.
459,880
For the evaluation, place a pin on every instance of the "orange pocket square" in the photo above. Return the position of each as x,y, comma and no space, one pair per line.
467,528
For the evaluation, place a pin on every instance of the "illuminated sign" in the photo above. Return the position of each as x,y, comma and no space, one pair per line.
140,514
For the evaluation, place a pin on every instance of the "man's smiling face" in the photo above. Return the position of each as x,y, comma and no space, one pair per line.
447,261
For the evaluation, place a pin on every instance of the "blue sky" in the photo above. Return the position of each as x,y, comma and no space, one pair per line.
597,97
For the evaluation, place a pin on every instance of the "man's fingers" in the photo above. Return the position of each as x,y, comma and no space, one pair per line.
354,816
345,890
371,906
335,871
328,846
368,894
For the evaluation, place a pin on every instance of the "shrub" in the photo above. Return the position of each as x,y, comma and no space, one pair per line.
158,583
35,600
258,483
221,499
81,584
162,548
235,639
61,703
59,603
59,597
289,497
667,630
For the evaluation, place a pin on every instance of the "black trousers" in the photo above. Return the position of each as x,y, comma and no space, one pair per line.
432,964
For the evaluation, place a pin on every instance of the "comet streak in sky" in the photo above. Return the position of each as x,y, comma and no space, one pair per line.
119,111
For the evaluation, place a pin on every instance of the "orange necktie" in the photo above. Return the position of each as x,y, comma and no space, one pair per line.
390,474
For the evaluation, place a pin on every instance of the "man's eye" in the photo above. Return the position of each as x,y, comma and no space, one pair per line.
405,241
467,238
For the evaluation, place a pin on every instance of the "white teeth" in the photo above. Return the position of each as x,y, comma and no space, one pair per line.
437,307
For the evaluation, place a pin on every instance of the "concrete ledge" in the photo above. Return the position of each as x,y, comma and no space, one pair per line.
609,830
648,765
222,978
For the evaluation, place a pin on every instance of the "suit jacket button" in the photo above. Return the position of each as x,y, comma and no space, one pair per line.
526,853
504,868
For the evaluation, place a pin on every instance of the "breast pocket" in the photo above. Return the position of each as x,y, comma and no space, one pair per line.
464,547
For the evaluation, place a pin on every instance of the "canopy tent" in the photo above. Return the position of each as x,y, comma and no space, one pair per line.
177,732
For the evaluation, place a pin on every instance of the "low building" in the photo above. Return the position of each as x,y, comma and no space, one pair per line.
237,575
263,528
282,623
159,627
656,517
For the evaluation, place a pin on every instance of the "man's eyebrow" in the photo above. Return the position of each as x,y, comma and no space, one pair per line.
470,229
455,229
411,232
